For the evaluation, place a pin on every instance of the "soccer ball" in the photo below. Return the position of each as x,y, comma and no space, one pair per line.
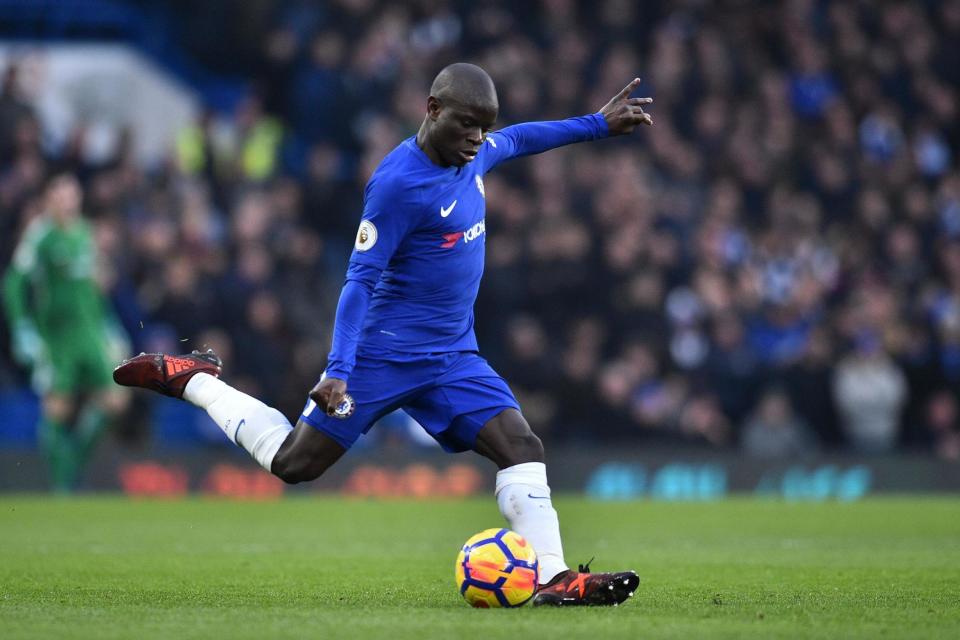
497,568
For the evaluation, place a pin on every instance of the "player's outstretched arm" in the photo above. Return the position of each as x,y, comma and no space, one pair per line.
623,113
619,116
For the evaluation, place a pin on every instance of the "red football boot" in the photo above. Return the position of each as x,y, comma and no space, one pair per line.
582,588
166,374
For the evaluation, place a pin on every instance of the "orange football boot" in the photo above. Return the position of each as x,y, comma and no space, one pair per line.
582,588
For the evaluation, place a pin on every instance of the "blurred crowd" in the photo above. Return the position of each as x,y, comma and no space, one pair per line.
775,265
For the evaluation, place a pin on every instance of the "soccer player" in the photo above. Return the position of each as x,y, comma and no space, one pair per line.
403,336
61,330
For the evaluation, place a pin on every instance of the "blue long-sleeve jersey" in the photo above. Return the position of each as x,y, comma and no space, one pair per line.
418,258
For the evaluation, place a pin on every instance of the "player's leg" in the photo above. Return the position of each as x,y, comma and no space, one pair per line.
472,407
105,402
377,387
484,416
246,421
508,440
293,455
306,454
56,441
55,379
102,409
523,494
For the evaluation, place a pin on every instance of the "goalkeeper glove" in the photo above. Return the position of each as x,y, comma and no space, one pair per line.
28,346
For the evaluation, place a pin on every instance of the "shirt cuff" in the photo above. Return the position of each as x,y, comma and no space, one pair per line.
602,127
337,371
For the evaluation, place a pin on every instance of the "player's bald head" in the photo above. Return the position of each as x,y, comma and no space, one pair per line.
466,84
461,109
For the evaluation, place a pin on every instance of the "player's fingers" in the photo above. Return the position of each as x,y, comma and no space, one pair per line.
639,101
334,401
640,117
627,90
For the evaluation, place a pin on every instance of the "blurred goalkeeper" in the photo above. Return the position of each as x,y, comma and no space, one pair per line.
62,332
403,336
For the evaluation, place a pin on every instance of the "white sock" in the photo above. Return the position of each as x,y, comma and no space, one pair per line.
245,420
524,500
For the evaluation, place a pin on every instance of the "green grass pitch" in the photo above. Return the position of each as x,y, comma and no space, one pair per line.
335,568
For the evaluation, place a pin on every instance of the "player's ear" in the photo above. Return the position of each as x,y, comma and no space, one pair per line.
434,107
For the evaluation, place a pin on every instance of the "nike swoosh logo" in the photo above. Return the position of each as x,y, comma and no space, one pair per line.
239,426
445,212
530,495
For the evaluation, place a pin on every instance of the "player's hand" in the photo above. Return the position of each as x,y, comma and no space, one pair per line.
624,113
329,393
27,345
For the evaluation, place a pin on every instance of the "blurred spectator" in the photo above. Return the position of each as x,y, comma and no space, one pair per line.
775,431
943,424
870,391
13,110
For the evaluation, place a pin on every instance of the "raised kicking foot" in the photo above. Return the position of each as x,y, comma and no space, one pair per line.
166,374
582,588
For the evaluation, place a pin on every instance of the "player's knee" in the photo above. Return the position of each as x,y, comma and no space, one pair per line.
528,448
524,446
508,440
294,469
286,472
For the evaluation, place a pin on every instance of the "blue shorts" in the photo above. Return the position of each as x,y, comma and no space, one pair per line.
451,395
